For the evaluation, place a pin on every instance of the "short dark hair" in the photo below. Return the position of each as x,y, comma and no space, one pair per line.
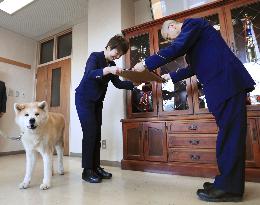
118,42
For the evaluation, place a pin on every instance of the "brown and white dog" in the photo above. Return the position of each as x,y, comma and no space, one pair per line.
42,132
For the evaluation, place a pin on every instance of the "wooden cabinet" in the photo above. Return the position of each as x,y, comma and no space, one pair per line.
168,128
145,141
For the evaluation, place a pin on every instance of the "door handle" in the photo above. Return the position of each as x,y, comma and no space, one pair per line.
193,127
194,142
195,157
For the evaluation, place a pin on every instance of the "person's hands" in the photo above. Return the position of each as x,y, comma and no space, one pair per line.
1,114
166,77
113,69
139,67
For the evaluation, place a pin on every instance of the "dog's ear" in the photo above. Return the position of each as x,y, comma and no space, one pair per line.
18,107
43,105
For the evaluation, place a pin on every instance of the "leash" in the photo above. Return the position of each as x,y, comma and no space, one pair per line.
16,138
12,138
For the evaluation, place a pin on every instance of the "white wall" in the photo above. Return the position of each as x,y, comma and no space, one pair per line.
22,49
142,12
78,61
128,13
100,28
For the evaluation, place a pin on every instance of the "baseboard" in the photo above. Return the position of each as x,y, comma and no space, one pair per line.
12,153
110,163
102,162
72,154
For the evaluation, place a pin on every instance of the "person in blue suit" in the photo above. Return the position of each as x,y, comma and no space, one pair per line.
99,71
225,81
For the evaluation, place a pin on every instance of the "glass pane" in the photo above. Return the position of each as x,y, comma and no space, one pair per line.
46,51
64,45
174,96
201,96
139,48
246,25
55,87
214,21
142,96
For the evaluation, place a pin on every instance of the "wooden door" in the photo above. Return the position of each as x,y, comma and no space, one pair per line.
155,143
53,86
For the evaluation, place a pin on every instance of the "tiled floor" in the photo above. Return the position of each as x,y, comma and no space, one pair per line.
126,187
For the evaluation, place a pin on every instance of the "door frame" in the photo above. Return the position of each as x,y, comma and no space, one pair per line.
65,81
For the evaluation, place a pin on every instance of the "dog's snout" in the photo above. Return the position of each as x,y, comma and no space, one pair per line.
32,121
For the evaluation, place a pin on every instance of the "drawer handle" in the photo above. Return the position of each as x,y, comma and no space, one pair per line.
194,142
195,157
193,127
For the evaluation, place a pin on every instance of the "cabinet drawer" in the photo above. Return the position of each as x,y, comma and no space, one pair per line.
196,156
192,140
192,127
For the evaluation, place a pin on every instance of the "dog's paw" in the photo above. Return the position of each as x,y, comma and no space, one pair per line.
45,186
24,185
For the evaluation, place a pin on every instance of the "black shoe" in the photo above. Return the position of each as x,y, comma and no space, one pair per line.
208,185
103,174
217,195
90,176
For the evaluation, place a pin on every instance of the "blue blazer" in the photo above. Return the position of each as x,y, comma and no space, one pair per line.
93,85
219,71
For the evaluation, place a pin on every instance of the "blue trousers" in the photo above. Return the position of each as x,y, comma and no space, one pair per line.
90,117
231,119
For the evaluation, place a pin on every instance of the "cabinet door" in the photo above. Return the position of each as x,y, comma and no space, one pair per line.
243,23
155,143
252,143
133,141
141,102
173,99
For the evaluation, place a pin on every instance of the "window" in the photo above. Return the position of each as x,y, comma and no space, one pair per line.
55,87
47,51
64,45
56,47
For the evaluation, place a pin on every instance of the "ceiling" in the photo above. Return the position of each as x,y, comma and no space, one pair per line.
43,16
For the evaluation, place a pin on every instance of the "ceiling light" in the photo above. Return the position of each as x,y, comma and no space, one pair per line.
11,6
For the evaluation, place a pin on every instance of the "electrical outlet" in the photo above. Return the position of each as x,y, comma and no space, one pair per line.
104,144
